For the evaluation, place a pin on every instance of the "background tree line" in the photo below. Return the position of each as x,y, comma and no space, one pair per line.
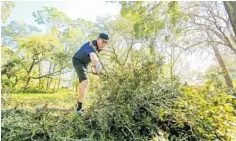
32,59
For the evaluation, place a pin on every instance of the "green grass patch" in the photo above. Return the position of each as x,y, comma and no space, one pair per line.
61,99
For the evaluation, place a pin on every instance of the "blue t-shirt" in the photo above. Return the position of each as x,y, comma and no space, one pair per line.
83,53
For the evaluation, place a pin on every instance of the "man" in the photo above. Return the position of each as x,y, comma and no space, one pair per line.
82,58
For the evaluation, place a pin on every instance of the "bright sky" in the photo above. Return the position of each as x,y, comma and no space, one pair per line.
85,9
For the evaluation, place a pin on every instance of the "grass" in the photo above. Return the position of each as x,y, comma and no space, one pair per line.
60,99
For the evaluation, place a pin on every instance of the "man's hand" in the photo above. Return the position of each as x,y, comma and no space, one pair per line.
93,69
95,60
95,73
98,67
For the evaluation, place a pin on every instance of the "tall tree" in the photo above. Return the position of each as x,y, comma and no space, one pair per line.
152,21
230,7
210,16
56,22
225,72
71,33
52,18
34,50
210,28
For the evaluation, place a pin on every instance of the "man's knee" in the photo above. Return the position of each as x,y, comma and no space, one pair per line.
85,82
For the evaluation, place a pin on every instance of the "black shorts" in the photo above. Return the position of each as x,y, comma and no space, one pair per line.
81,69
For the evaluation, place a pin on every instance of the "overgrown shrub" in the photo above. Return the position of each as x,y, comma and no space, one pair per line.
135,103
209,110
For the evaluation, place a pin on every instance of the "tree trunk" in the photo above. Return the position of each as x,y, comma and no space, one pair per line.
230,7
49,71
227,78
172,62
39,75
28,73
27,83
50,80
54,87
59,81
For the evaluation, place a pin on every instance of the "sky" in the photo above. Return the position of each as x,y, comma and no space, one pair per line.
85,9
88,10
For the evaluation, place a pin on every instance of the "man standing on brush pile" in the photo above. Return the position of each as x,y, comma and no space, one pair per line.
82,58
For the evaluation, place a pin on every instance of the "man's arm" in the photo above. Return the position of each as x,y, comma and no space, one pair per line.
95,60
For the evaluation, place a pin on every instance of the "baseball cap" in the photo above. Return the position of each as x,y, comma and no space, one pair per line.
103,36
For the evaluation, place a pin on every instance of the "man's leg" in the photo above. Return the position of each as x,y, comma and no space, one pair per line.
83,82
82,90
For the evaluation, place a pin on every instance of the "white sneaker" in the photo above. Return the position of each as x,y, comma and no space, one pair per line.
80,111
